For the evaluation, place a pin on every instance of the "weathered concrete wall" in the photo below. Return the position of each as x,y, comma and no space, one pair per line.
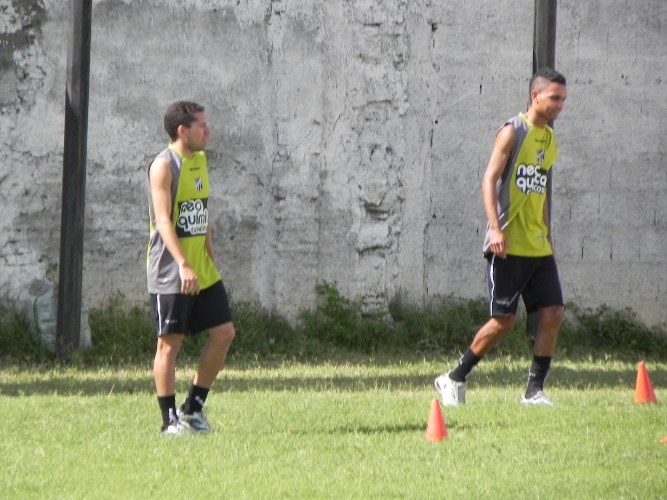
348,143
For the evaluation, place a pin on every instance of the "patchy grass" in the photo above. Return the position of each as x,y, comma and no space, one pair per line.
336,429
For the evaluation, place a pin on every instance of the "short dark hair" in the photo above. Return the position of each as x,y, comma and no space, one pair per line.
180,113
548,74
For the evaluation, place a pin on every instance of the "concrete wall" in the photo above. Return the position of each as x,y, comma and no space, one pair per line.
348,144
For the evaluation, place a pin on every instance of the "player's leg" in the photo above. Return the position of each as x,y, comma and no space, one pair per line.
212,313
492,333
168,311
544,289
550,320
214,354
164,365
505,280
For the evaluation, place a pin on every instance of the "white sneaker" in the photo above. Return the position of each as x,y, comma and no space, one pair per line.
452,393
175,428
537,399
195,422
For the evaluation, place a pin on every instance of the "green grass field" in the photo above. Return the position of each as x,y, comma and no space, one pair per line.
335,430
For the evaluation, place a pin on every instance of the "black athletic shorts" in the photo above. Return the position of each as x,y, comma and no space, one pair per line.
535,279
191,314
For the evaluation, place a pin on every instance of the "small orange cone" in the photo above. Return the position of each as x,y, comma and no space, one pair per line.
644,389
436,430
664,440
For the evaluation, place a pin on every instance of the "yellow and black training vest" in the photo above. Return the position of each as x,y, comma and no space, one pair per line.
189,214
524,187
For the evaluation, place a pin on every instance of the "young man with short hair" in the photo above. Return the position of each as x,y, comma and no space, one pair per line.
186,289
518,246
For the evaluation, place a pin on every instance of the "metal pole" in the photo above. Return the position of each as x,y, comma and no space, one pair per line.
544,34
544,56
74,178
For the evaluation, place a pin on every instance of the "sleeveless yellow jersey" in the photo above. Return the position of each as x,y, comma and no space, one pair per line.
190,190
524,187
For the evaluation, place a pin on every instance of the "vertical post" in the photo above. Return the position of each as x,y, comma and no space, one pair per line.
544,34
74,178
544,56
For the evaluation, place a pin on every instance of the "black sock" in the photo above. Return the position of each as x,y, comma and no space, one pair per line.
537,374
167,408
467,362
195,400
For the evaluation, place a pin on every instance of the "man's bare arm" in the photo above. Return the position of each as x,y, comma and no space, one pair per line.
502,150
160,178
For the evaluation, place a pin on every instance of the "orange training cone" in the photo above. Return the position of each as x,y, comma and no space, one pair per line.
436,430
643,389
664,440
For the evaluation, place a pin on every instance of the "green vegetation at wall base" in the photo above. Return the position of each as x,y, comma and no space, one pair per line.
123,332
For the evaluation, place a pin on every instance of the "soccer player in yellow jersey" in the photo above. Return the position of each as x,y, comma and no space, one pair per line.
518,246
186,289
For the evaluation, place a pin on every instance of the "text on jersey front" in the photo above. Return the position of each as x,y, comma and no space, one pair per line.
192,218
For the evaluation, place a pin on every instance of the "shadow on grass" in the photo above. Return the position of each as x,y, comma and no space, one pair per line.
375,429
73,386
91,383
569,378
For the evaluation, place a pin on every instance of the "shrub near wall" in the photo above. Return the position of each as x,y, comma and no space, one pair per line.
16,339
610,331
123,332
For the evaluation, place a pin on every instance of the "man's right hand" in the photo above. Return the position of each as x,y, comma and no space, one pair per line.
189,280
497,242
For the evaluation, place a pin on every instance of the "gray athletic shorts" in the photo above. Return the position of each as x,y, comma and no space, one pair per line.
191,314
535,279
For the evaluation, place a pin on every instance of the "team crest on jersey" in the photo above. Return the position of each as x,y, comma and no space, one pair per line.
540,157
192,218
199,184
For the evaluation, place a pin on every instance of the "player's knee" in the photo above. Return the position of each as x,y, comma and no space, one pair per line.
505,324
230,333
168,347
225,333
552,316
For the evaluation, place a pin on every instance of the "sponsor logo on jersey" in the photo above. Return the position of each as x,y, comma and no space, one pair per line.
199,184
192,218
531,179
